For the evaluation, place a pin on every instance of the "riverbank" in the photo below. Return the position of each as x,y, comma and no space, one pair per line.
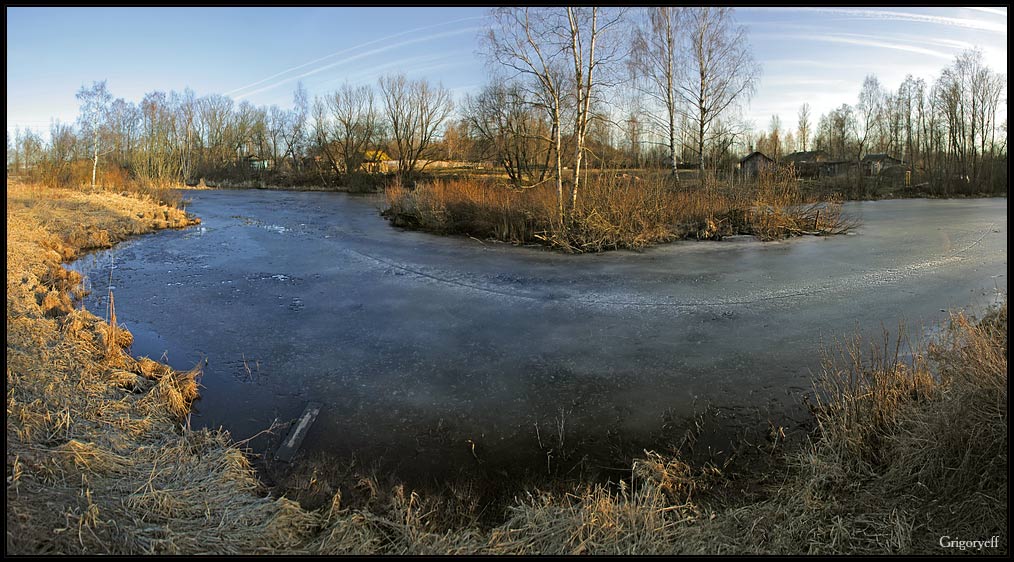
98,457
93,468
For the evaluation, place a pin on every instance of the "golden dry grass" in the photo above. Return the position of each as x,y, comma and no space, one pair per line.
615,211
98,460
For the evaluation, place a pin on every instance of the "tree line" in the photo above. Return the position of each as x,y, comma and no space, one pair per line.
945,131
570,88
179,137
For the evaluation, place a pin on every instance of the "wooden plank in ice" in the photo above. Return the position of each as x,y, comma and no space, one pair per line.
298,432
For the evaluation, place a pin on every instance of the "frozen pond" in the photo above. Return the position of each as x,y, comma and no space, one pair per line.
416,343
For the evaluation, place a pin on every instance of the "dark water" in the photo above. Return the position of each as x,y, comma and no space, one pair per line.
416,343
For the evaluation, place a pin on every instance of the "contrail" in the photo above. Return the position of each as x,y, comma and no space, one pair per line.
980,25
356,57
853,40
343,51
365,75
994,11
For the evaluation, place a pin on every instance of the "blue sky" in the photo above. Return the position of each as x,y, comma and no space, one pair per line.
814,55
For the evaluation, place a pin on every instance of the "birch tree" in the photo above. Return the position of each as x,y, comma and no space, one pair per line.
518,39
655,58
585,32
95,103
720,70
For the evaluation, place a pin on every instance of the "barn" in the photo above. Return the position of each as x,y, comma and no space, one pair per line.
751,164
873,164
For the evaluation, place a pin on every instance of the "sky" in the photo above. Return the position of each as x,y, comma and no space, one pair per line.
818,56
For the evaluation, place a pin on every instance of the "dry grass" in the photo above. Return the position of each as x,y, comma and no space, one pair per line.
614,211
77,176
909,447
97,455
99,458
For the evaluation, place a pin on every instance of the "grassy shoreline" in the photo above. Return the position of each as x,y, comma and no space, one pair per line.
616,212
100,460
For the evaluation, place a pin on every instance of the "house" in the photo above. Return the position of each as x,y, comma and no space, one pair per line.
751,164
833,168
376,161
256,162
807,164
873,164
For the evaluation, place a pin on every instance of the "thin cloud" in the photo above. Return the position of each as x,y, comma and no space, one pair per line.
864,42
350,49
981,25
823,64
357,57
799,81
365,75
919,40
994,11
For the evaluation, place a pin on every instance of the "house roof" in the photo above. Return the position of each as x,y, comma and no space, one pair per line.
804,156
880,156
376,156
754,154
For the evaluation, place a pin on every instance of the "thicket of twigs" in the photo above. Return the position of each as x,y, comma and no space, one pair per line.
614,212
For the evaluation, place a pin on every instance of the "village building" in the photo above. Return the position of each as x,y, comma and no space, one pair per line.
874,164
752,164
377,161
255,162
834,168
807,164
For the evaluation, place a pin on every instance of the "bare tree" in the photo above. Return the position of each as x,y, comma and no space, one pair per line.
720,69
154,159
775,138
322,135
559,52
841,128
124,118
415,112
355,123
215,114
803,126
585,32
294,135
788,142
95,103
32,150
633,133
184,107
510,132
656,57
518,40
276,124
867,113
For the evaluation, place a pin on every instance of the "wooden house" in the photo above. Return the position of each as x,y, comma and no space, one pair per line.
807,164
376,161
751,164
873,164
